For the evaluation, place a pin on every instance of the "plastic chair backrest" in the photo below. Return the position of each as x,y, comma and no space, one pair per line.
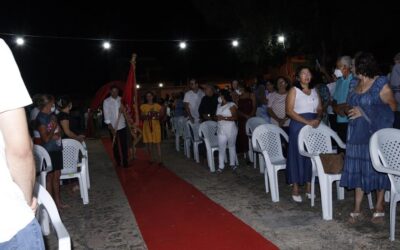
384,147
71,149
316,140
267,137
252,123
45,200
208,132
42,159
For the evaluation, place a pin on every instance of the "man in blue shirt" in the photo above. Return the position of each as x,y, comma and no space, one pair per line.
340,106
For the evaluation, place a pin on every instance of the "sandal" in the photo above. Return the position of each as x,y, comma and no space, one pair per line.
355,217
378,217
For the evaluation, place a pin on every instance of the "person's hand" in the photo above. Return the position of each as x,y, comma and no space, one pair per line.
220,118
81,138
354,113
314,123
34,205
122,108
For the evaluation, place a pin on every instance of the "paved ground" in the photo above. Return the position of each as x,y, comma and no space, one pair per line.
108,223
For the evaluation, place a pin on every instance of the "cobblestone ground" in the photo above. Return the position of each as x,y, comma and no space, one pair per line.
108,223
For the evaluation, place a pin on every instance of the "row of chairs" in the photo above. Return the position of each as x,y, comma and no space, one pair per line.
384,150
75,163
265,145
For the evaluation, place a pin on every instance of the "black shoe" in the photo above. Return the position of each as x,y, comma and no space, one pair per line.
220,171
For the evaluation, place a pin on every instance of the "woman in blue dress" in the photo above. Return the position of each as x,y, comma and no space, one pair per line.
303,106
371,104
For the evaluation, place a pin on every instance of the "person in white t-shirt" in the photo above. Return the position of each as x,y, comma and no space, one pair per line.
192,102
18,227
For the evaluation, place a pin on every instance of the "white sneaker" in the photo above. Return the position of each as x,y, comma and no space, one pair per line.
297,198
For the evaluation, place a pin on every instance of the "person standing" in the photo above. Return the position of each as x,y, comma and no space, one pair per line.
227,130
151,113
192,102
303,106
277,104
339,103
116,124
372,105
208,104
395,85
246,108
18,227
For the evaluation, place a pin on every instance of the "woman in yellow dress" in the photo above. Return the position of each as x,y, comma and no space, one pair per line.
151,113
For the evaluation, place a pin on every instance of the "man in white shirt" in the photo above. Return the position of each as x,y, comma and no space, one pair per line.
116,124
192,101
18,227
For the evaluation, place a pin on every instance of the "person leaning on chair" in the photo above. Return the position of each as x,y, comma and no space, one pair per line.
18,227
116,124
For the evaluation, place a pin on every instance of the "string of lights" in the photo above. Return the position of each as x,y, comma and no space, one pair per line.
20,40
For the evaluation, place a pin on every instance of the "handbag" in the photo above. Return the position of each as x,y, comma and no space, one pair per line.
332,163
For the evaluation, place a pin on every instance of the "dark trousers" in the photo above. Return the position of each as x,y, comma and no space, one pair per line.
120,147
341,130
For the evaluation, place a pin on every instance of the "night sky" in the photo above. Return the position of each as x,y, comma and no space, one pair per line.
325,29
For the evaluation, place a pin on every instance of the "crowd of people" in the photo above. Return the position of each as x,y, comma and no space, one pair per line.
355,100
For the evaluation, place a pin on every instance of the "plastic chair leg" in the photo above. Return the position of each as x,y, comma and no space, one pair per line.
266,182
340,191
261,163
370,203
393,205
313,190
387,196
324,187
177,143
251,156
44,221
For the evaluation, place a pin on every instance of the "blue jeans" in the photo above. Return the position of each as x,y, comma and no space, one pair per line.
30,237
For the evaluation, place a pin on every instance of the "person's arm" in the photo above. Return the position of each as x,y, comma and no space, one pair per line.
387,97
65,127
107,116
290,100
18,149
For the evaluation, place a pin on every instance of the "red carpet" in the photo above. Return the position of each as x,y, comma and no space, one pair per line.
174,215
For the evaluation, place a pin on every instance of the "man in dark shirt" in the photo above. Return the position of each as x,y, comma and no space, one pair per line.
208,104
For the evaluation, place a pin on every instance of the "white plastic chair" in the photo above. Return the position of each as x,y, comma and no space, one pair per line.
384,149
85,156
178,124
208,132
251,124
194,139
312,142
42,162
71,149
267,138
47,203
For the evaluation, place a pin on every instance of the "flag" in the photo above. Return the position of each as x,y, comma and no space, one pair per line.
129,98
